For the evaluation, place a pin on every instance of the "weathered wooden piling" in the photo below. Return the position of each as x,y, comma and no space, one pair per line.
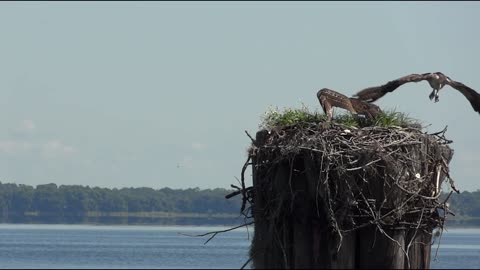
339,197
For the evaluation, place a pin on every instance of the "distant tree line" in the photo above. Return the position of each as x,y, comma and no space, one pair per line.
466,203
67,200
76,200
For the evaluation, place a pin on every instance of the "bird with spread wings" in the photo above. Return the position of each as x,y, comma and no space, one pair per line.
437,81
329,99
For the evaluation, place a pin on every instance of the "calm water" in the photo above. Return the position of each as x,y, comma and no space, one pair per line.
83,246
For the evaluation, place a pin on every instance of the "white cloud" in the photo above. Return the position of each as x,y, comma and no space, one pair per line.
198,146
14,146
49,149
55,148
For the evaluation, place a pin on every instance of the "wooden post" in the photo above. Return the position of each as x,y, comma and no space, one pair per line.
294,227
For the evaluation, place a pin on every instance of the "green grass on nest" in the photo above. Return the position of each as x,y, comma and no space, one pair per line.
273,117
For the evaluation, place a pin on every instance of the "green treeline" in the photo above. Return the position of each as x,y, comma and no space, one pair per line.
466,204
71,203
76,200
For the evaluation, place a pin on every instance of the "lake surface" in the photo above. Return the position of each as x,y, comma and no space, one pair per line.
88,246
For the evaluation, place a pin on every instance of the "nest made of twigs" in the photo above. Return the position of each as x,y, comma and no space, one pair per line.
381,176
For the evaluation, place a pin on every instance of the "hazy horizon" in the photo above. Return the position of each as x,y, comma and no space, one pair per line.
158,94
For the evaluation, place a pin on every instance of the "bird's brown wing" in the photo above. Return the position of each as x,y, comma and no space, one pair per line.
370,110
335,99
373,93
329,98
468,92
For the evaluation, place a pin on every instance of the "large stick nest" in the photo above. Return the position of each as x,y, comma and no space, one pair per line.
388,177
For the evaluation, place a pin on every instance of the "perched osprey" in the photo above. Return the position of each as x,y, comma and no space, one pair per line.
329,98
437,81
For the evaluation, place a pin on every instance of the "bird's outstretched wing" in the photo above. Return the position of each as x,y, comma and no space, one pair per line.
373,93
468,92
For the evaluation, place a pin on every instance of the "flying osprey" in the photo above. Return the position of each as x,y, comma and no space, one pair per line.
437,81
329,98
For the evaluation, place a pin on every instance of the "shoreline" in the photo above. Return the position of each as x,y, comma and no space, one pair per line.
198,222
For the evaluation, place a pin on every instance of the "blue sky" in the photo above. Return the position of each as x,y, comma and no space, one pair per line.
158,94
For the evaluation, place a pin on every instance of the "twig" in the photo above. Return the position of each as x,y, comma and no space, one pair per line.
253,140
413,237
440,132
245,264
364,166
214,233
244,194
